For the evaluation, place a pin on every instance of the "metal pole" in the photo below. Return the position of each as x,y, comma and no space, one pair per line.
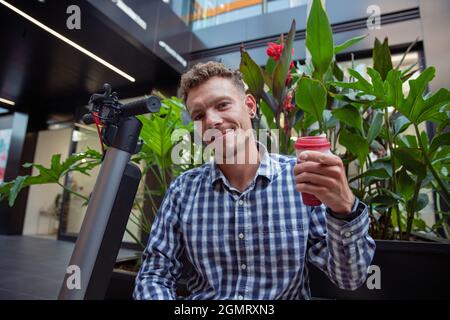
95,221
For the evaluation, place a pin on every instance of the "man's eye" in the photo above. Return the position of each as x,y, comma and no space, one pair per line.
222,104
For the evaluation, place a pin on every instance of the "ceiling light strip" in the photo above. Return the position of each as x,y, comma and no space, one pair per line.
6,101
68,41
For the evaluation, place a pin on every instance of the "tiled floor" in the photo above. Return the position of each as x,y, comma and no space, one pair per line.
33,268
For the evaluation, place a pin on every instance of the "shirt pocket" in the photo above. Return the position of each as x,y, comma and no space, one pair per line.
282,245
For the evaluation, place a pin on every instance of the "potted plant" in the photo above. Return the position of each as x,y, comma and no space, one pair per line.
156,162
369,118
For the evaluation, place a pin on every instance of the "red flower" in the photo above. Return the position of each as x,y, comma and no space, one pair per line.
287,104
274,50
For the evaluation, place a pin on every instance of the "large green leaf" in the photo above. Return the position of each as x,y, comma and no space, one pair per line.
375,126
383,163
311,97
15,189
383,202
442,139
420,204
360,85
405,184
355,144
433,105
270,66
156,134
401,123
337,72
372,175
415,107
252,75
329,119
319,38
347,44
268,114
377,83
349,115
381,55
412,159
281,69
80,162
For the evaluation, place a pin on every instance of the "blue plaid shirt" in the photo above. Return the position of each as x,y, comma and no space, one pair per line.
249,245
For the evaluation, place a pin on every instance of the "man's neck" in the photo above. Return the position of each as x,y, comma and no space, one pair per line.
240,175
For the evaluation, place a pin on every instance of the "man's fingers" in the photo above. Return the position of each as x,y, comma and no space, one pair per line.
317,191
316,179
318,168
319,157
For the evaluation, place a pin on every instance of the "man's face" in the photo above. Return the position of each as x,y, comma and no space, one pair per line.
223,113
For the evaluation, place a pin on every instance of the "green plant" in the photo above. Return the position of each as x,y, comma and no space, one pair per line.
154,156
355,113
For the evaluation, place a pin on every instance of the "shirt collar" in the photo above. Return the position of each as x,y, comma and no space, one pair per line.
265,168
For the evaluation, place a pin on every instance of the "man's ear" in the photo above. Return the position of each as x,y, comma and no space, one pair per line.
250,102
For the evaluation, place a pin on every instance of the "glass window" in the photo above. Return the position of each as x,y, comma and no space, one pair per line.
207,13
275,5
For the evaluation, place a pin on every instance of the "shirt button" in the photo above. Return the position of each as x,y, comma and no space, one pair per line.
243,266
240,297
241,236
241,202
348,234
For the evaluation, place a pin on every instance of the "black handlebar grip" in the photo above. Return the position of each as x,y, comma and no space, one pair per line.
150,105
88,118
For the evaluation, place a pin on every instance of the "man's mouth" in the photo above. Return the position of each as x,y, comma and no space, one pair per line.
224,133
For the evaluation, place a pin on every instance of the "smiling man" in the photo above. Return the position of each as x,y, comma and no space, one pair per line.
242,224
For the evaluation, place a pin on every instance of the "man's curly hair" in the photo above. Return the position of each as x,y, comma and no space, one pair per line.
202,72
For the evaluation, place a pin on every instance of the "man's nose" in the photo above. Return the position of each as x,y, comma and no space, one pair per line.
213,119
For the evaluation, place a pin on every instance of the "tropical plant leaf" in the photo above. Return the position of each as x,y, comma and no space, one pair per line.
412,159
281,69
311,97
439,140
415,107
374,174
405,184
381,55
319,39
350,115
347,44
375,126
252,75
401,123
355,144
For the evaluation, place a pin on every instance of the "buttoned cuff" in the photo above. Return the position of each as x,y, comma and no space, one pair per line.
349,231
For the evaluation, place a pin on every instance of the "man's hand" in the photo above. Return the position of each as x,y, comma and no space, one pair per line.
323,175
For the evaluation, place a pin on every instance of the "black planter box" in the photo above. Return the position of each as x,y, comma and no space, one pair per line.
121,285
408,270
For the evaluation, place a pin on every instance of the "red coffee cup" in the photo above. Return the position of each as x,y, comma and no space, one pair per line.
315,143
